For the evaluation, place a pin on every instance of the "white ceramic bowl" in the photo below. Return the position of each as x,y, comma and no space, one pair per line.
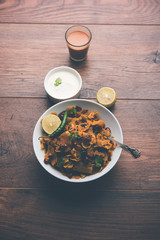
103,113
70,86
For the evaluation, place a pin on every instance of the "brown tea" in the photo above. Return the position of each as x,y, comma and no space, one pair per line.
78,40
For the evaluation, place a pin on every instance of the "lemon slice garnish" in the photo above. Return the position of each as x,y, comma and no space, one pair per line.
106,96
50,123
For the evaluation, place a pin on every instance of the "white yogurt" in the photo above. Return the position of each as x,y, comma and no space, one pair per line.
69,86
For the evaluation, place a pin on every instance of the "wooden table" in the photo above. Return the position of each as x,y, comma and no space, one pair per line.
125,55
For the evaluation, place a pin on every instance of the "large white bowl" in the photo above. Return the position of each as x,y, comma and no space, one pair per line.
103,113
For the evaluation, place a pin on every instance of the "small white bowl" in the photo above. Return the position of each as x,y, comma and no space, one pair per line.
68,86
103,113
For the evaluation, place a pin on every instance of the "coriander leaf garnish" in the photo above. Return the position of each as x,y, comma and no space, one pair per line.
58,81
98,161
74,136
72,112
61,161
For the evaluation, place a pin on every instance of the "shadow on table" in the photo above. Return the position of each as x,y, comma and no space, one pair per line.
78,193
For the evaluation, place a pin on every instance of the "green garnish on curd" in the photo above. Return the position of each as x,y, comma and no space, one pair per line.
58,81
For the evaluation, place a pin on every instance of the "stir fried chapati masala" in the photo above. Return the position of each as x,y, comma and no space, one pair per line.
80,146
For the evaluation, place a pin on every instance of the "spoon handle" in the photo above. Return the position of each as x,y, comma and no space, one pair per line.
133,151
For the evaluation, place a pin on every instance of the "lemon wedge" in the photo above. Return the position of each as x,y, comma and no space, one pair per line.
50,123
106,96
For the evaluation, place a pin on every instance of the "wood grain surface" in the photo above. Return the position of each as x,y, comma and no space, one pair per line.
124,57
78,213
124,54
81,12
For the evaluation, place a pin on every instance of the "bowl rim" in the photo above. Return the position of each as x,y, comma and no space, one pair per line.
70,69
90,177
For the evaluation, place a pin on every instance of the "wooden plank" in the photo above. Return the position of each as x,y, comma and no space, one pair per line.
77,11
79,213
126,58
19,167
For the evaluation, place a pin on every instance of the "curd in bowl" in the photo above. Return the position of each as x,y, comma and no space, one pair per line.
63,83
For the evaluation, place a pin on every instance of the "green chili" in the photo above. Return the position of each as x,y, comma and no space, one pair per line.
60,128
